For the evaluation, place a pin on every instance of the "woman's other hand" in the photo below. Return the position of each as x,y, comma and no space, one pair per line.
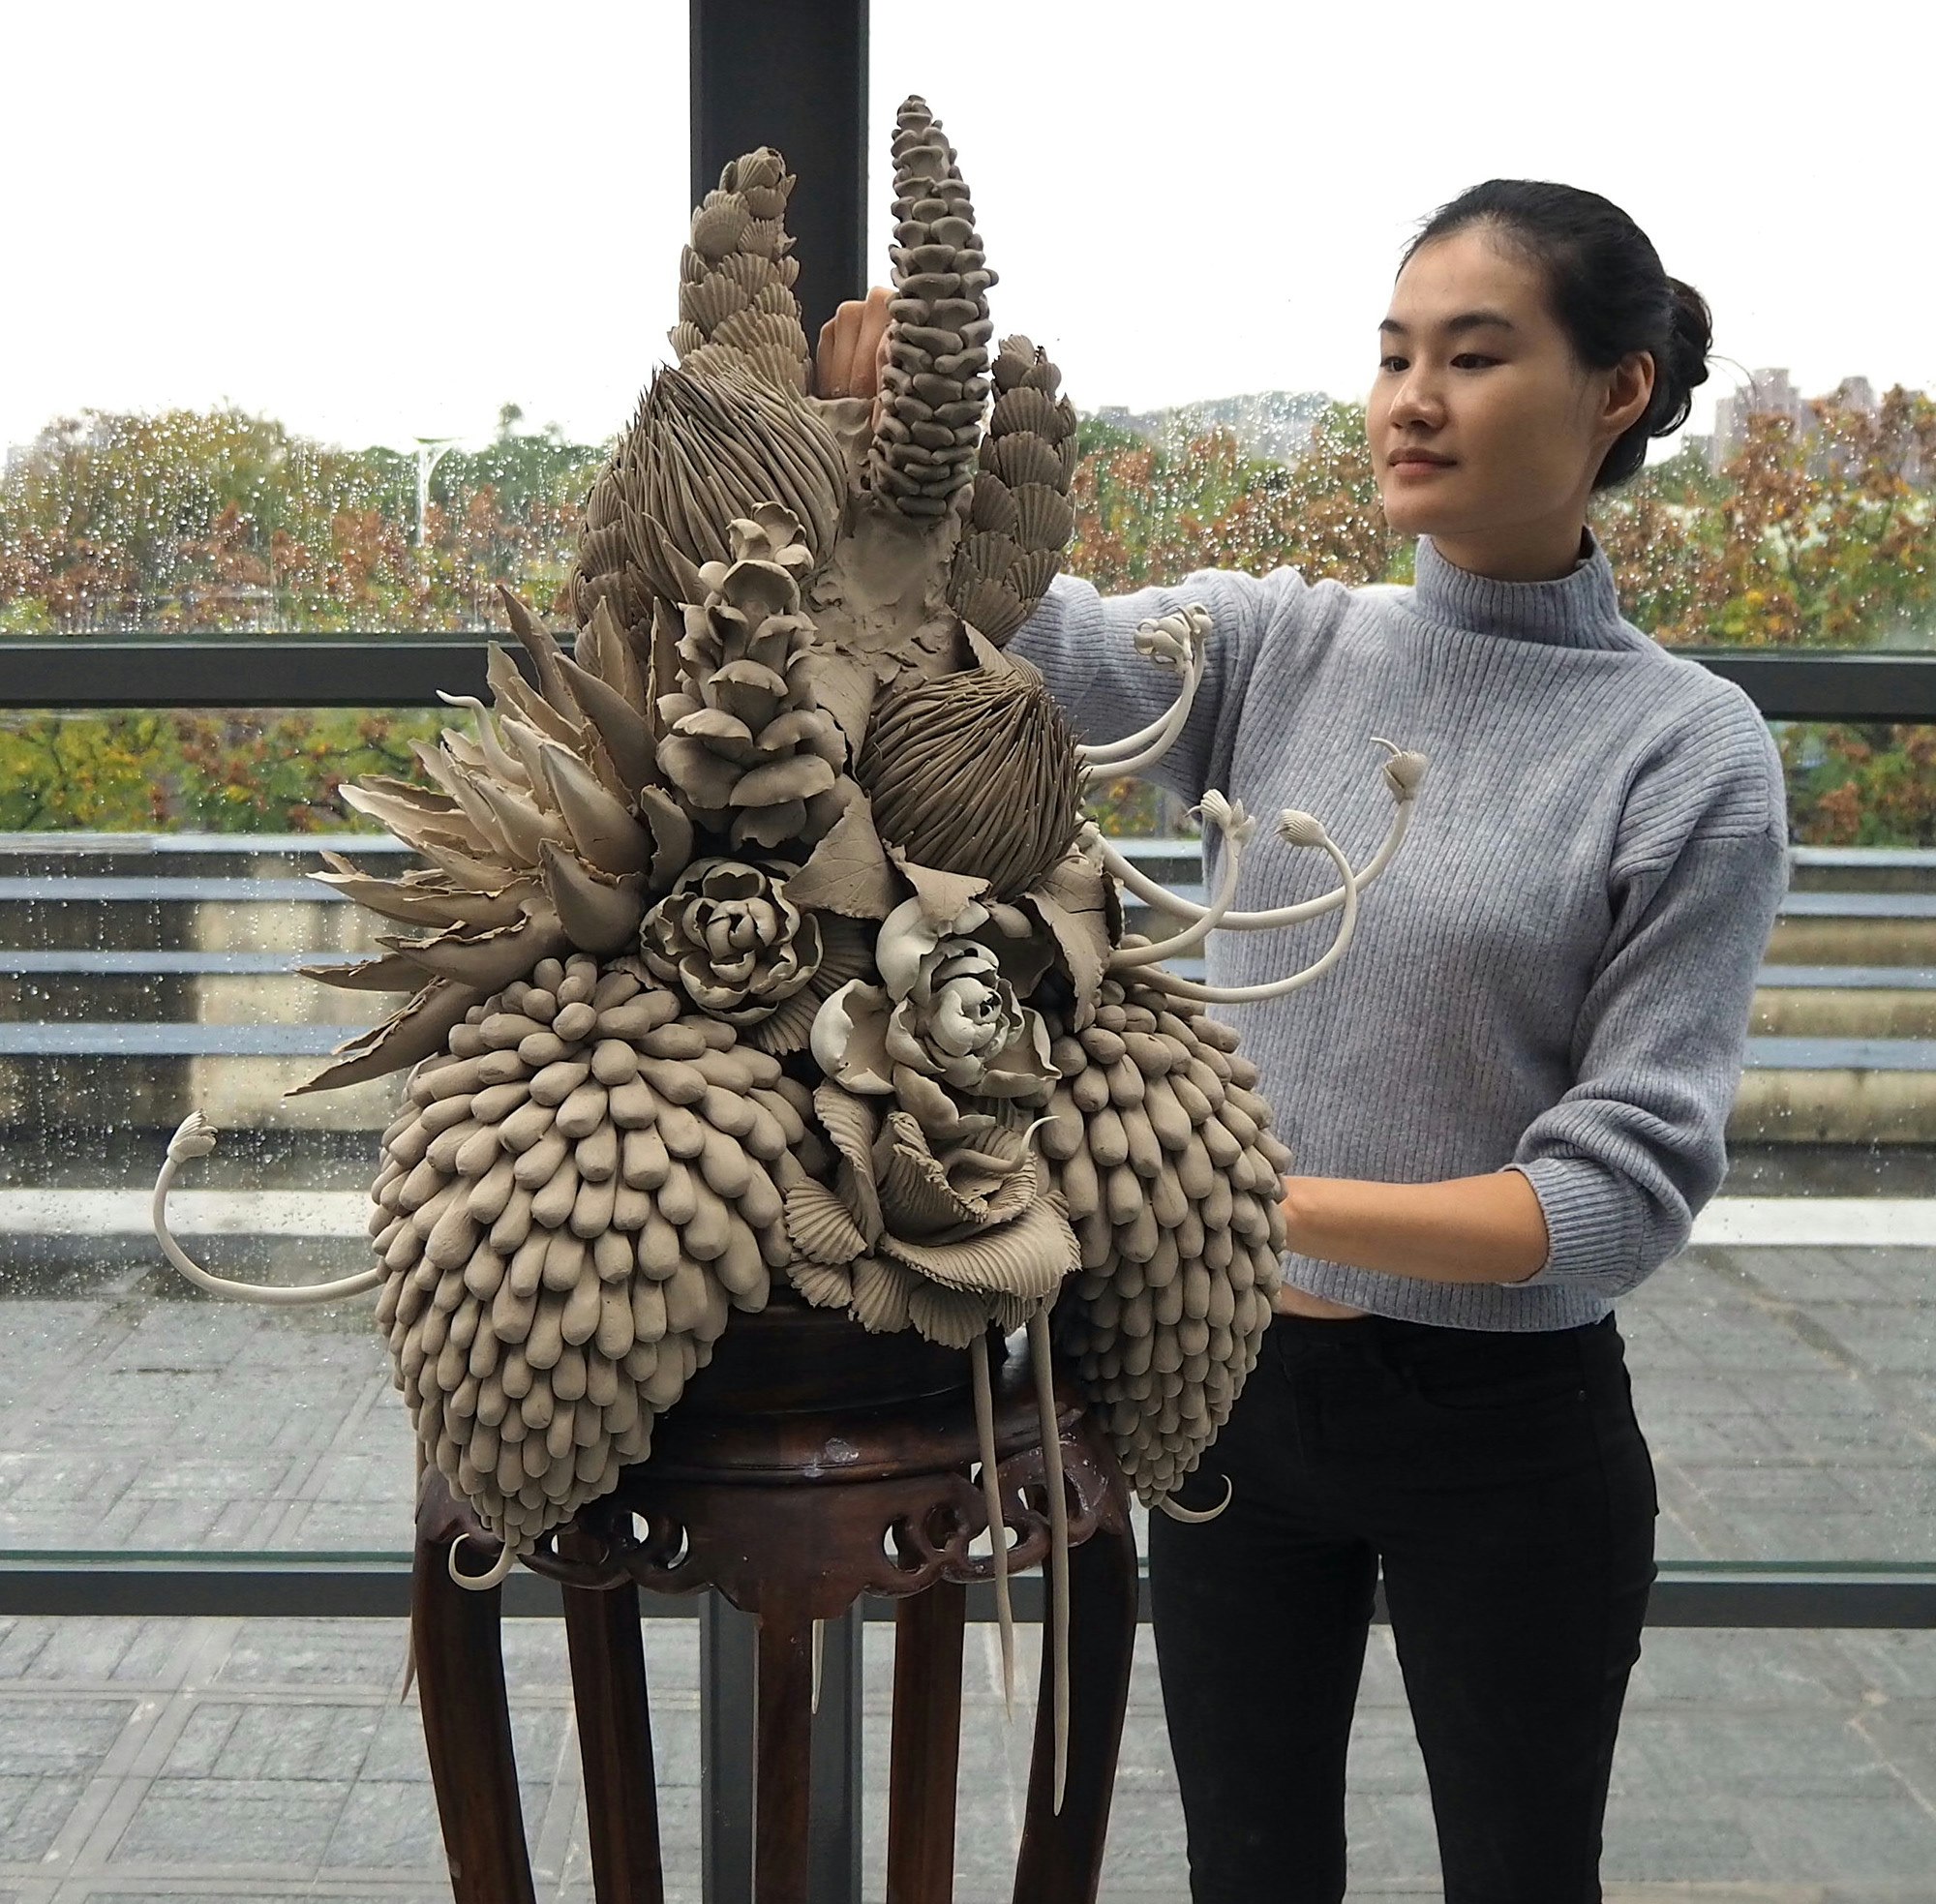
853,349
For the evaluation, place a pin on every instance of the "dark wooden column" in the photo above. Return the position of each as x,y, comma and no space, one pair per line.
790,75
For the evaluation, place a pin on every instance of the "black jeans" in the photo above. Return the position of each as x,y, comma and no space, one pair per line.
1503,1485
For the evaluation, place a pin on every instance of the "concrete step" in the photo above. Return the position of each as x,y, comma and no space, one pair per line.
53,912
1876,868
1736,1222
258,856
1870,1010
1863,868
140,975
106,1077
77,987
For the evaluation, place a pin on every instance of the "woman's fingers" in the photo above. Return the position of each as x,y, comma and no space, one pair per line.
852,348
833,361
872,344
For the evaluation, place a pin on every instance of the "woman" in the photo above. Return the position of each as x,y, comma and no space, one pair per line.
1509,1100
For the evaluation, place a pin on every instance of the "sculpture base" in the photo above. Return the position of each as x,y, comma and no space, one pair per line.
791,1504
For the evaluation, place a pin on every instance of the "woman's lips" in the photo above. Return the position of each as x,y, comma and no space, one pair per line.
1416,466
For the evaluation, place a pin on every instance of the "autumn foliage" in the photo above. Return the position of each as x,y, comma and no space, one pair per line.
1821,535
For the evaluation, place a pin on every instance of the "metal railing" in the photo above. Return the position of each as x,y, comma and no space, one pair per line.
403,669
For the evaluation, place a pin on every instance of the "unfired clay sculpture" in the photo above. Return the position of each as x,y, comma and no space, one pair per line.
764,937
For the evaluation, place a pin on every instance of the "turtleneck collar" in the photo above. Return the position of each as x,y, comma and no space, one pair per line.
1581,609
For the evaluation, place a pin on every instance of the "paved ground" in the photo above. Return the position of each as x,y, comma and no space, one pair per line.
236,1760
1790,1394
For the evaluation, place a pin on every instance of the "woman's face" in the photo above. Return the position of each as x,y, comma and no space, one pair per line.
1486,430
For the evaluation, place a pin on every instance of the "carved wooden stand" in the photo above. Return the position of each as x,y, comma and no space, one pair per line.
792,1509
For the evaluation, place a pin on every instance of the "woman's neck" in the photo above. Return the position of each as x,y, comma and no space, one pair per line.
1540,552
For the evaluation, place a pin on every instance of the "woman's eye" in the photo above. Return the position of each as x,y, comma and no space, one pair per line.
1472,360
1393,364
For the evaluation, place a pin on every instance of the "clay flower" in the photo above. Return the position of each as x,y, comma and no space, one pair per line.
937,1220
727,935
944,1011
730,940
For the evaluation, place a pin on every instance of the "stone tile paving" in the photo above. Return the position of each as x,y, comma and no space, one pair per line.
1789,1397
233,1760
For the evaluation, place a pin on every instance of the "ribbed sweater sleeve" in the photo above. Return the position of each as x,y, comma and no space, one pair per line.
1555,974
1624,1160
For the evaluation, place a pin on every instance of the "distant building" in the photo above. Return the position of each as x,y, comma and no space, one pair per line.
1772,392
1769,393
1272,425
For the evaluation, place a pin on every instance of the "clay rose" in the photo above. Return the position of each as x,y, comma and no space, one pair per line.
944,1010
937,1219
728,936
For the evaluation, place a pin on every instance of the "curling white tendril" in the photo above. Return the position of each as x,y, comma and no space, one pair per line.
1403,773
1237,828
1294,829
1179,641
195,1137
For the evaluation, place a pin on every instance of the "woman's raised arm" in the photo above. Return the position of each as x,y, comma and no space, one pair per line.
1085,644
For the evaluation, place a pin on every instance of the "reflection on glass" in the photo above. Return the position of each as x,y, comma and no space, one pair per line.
1806,530
1785,1364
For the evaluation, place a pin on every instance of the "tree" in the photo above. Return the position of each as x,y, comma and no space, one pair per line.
189,521
1819,535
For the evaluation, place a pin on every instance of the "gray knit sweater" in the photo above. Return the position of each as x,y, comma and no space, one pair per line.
1555,973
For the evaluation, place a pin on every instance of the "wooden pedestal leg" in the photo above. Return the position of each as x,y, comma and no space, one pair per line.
926,1746
615,1735
1062,1853
782,1766
466,1722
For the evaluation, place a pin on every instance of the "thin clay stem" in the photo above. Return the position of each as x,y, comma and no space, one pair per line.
195,1137
1277,988
1194,1517
1145,888
1104,752
819,1652
1137,752
1058,1535
1133,752
1236,826
998,1530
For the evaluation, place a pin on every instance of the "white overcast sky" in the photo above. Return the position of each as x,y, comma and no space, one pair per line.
377,220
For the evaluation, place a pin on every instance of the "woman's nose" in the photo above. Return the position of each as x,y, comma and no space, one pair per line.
1415,400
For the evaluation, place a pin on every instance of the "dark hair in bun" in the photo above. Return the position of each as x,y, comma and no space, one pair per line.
1607,289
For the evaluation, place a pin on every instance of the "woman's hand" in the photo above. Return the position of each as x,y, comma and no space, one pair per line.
1290,1299
853,348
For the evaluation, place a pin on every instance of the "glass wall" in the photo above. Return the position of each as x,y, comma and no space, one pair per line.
387,309
144,975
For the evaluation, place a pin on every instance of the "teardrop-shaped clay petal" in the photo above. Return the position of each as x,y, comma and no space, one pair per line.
881,1292
597,914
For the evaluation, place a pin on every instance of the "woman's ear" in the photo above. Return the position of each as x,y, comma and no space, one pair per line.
1630,391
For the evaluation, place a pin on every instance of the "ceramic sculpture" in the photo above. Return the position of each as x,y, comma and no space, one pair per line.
762,941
